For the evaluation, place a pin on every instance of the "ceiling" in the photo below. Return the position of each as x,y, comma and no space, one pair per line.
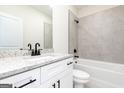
48,10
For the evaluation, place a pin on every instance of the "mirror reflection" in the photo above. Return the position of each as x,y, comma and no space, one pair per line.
21,25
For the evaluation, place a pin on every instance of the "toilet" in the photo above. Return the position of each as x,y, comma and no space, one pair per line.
80,78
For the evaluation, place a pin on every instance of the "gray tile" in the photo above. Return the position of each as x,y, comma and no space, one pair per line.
101,36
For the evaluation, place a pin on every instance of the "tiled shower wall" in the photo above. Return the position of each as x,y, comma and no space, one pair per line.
101,36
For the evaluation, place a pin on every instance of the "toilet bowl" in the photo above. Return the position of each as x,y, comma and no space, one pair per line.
80,78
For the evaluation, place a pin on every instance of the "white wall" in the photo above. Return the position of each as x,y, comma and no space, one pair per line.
32,22
91,9
102,74
60,28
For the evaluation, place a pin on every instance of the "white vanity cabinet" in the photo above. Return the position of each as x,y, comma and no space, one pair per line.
58,75
67,80
54,75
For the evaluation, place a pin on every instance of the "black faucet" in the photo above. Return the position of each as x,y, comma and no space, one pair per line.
37,51
30,46
30,49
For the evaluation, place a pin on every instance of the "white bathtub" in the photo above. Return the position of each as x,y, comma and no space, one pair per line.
103,74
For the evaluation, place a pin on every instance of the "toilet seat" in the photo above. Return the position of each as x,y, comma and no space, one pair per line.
80,81
80,78
80,75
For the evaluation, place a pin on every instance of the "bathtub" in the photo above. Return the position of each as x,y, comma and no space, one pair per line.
103,74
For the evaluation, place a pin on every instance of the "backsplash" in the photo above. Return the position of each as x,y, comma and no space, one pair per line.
17,52
12,53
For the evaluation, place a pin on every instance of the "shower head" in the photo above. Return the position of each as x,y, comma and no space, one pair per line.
76,21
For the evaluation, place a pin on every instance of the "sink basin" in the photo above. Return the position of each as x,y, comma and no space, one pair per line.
38,58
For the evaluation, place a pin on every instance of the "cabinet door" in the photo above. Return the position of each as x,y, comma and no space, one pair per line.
59,75
49,85
62,80
67,80
52,83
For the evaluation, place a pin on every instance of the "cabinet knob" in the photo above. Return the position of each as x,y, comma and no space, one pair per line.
58,83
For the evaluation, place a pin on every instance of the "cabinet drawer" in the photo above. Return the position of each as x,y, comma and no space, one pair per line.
51,70
26,79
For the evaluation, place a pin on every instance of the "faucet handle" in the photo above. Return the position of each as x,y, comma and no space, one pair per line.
39,53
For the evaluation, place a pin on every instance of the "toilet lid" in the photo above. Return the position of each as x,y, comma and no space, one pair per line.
80,74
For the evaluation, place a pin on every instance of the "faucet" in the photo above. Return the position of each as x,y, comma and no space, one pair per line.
30,49
37,51
30,46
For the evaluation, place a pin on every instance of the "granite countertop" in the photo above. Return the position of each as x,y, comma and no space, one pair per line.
15,65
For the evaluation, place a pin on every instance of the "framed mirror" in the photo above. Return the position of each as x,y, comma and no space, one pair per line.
23,24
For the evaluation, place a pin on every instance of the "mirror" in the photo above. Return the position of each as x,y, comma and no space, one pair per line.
48,36
10,31
23,24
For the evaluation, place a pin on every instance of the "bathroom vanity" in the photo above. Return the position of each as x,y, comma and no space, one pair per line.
19,34
46,71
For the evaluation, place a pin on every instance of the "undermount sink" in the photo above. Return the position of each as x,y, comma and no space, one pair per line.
38,58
